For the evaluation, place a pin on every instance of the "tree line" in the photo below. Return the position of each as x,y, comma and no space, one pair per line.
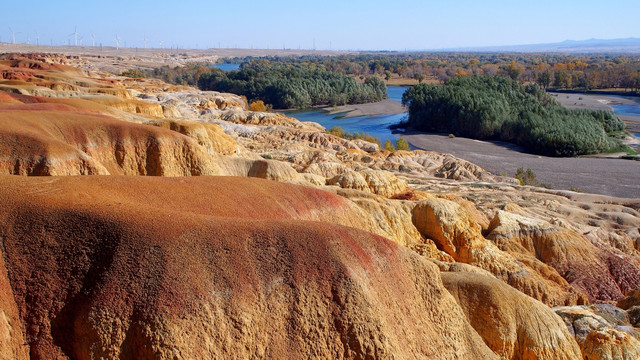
559,71
287,86
483,107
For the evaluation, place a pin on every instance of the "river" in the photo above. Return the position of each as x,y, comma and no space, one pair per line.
227,66
376,126
628,109
593,175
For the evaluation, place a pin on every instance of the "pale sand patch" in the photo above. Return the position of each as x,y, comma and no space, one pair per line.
588,101
384,107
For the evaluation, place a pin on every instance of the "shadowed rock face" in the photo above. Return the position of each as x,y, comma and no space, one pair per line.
210,268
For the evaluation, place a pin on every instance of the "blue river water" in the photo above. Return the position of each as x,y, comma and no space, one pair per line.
227,66
629,109
376,126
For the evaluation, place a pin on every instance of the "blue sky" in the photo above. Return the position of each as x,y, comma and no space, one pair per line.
346,24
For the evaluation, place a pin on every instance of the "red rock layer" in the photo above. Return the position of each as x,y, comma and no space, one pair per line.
39,138
212,267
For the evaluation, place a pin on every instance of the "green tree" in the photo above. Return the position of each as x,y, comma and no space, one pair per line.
388,146
544,79
513,70
503,109
561,80
401,144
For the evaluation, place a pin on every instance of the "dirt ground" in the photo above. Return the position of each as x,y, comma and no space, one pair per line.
384,107
615,177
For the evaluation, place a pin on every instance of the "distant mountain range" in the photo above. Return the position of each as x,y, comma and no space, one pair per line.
628,45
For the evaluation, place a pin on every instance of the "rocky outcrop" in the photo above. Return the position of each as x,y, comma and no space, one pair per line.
45,139
602,330
210,267
133,106
12,339
631,300
454,231
512,324
265,169
378,182
610,344
439,165
388,218
209,136
591,270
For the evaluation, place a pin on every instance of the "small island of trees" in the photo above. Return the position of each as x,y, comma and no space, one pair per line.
501,108
288,86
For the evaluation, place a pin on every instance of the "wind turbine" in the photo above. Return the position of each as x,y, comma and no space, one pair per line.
93,40
37,38
117,42
161,42
145,41
13,35
75,36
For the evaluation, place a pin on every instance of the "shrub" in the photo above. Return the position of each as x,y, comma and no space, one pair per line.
340,132
401,144
529,178
388,146
133,73
259,106
337,131
526,177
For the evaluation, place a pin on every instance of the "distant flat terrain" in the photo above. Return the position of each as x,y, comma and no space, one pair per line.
613,177
115,60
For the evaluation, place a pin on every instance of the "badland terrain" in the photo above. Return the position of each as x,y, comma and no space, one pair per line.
146,220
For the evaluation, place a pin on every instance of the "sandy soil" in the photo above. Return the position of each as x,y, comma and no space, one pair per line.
613,177
584,101
384,107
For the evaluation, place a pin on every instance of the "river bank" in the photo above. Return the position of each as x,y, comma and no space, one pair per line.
603,102
614,177
384,107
